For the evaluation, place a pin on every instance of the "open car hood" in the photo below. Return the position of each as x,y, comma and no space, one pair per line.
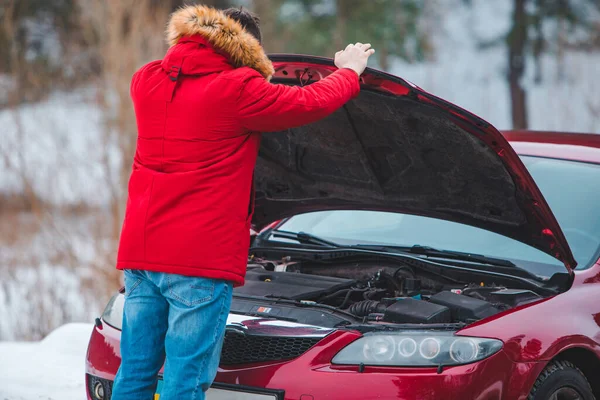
400,149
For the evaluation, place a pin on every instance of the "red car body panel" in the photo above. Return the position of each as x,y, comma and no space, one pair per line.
573,146
528,337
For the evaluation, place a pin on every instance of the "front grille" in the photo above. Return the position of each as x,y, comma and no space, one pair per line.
243,349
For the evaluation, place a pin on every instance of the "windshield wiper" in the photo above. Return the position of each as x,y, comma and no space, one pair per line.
430,252
304,238
436,253
478,258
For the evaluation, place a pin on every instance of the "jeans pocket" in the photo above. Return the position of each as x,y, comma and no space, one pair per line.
131,282
189,290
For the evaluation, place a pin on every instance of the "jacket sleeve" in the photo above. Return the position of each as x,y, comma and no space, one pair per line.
266,107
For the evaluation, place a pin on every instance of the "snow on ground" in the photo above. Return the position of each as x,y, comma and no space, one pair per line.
52,369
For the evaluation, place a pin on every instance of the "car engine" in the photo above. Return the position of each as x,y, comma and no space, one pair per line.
381,292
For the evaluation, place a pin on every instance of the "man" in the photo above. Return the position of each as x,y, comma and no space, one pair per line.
185,237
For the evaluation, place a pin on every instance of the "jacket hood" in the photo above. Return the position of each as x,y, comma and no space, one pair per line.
400,149
225,35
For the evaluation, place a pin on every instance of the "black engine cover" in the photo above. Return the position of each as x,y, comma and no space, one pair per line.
411,311
289,285
464,308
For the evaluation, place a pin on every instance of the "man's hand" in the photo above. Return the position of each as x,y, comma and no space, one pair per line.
354,56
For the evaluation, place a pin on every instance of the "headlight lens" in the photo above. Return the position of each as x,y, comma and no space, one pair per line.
113,313
416,349
380,349
407,347
464,350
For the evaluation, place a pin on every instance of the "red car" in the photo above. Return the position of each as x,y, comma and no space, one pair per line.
415,256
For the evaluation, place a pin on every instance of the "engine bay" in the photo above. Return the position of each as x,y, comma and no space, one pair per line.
370,291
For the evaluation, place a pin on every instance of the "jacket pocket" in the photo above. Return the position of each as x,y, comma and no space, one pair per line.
190,291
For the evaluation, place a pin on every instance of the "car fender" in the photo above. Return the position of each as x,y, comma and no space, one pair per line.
540,331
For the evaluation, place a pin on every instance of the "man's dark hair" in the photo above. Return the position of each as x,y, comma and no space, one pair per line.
249,21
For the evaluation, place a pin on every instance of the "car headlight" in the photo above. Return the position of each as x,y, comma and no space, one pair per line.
113,312
416,349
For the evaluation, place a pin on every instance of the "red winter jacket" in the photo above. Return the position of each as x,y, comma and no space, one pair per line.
198,112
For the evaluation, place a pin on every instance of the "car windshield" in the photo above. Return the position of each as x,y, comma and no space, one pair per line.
572,190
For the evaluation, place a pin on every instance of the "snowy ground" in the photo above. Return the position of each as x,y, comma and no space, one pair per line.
52,369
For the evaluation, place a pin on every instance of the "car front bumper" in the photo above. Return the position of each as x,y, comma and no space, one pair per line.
312,377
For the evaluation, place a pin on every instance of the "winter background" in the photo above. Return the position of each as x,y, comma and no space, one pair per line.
66,132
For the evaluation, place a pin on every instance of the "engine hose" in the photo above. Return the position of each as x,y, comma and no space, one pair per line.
347,298
405,269
369,294
366,307
352,290
333,295
391,280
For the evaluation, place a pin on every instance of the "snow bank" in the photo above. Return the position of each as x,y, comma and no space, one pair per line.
52,369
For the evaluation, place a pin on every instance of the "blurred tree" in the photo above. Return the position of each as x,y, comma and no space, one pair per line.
517,39
322,27
24,22
539,27
268,12
25,54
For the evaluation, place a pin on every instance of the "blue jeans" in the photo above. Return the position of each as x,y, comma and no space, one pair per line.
180,317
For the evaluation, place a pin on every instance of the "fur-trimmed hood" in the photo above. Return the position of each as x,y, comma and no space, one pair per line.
223,33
